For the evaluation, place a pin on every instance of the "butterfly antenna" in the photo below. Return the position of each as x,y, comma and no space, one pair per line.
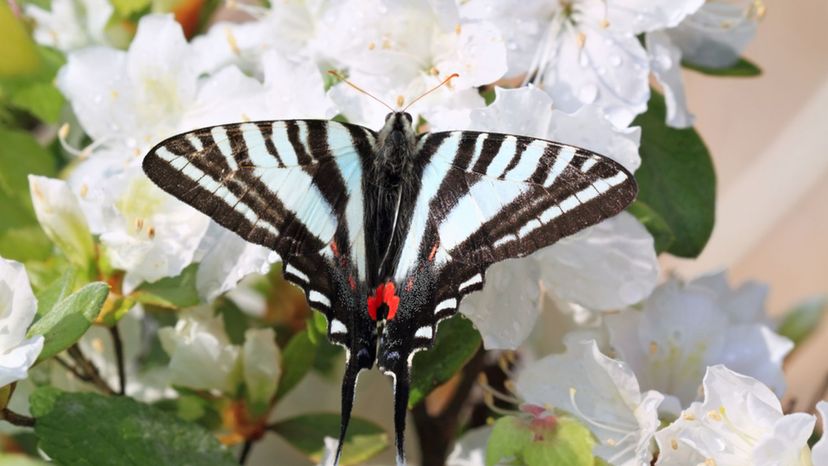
445,81
349,381
339,76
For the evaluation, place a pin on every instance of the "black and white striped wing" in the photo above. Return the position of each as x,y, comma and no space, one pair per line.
292,186
488,197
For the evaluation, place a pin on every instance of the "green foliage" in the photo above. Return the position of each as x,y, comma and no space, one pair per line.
172,292
743,68
21,237
297,360
568,443
69,319
87,428
58,290
801,321
35,91
127,8
676,180
662,234
307,434
16,47
457,341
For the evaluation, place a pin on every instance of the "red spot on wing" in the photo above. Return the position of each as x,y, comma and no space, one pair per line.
433,252
335,249
385,293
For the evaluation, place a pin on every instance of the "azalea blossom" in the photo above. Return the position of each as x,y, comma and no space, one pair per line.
683,328
17,310
608,266
70,24
740,421
201,356
713,37
819,453
261,365
61,217
603,394
583,52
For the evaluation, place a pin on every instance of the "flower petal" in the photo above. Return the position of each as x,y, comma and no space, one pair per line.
665,62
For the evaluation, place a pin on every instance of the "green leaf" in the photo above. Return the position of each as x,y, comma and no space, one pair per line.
88,428
743,68
662,234
20,156
317,327
69,319
171,292
457,341
20,460
568,443
297,360
307,434
42,100
55,292
23,244
16,47
801,321
125,8
676,179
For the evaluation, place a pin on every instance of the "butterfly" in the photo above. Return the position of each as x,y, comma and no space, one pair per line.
386,231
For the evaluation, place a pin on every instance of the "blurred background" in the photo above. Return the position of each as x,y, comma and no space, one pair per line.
769,140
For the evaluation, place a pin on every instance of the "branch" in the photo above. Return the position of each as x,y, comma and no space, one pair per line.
89,370
437,433
17,419
119,357
245,452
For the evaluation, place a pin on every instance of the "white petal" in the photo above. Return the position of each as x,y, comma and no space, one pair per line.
228,260
307,97
607,266
716,35
60,216
470,449
606,396
15,363
506,309
820,450
94,80
477,53
758,351
787,443
261,363
745,304
639,16
17,304
665,62
608,70
225,96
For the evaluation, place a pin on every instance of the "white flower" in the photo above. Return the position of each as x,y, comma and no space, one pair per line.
607,266
228,259
714,37
603,393
739,422
17,310
820,450
147,232
470,449
60,216
261,365
584,51
201,356
683,329
71,24
408,56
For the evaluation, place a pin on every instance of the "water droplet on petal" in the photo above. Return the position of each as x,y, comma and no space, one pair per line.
588,93
615,61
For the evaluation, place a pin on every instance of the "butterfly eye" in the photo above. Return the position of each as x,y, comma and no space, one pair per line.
408,117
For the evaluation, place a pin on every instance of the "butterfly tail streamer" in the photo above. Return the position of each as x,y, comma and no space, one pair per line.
349,381
401,391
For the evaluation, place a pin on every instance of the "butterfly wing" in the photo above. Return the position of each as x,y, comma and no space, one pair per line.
296,188
484,198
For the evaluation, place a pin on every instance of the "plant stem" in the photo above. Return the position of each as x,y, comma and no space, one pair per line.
119,357
245,452
437,433
17,419
71,368
89,370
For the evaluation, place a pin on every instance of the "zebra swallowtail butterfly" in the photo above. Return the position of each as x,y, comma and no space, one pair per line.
387,231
